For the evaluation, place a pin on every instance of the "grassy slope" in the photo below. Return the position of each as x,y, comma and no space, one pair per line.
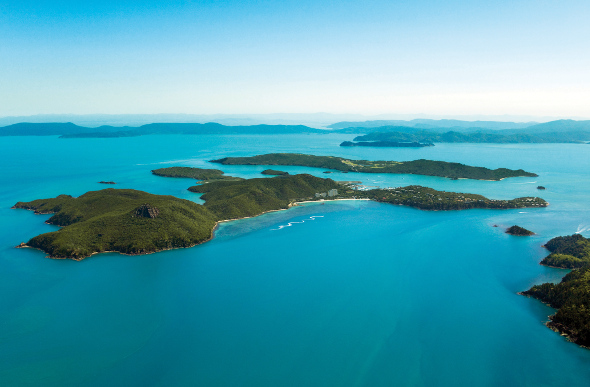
105,221
417,167
233,200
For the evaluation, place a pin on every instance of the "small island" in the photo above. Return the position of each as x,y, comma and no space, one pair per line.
540,187
200,174
519,231
106,182
273,172
387,144
416,167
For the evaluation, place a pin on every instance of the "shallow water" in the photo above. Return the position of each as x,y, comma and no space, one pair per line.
366,294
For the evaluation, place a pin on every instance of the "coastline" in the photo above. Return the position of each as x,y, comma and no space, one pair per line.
23,245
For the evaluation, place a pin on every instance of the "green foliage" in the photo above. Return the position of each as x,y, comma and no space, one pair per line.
519,231
572,299
273,172
193,173
233,200
568,252
430,199
106,220
417,167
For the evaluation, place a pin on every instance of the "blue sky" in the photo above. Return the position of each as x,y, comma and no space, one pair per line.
451,57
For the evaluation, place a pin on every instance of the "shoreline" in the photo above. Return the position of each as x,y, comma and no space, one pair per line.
23,245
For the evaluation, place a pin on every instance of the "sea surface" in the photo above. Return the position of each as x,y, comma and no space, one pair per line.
347,293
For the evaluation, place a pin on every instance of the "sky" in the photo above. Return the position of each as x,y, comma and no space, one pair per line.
437,57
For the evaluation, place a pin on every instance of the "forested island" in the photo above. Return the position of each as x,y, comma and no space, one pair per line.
194,173
571,297
122,220
416,167
387,144
519,231
135,222
273,172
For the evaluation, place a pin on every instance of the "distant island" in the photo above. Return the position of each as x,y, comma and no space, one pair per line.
194,173
538,134
519,231
416,167
273,172
387,144
135,222
570,297
106,182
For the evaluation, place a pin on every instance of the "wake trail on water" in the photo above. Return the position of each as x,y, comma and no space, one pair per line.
313,217
582,228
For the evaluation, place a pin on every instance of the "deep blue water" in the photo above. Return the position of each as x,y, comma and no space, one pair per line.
365,294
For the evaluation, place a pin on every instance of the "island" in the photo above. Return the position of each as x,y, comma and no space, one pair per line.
388,144
519,231
541,187
416,167
136,222
122,220
273,172
194,173
106,182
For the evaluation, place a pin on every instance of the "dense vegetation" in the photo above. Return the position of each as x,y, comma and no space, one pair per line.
387,144
571,298
426,198
568,252
416,167
519,231
194,173
123,220
273,172
135,222
239,199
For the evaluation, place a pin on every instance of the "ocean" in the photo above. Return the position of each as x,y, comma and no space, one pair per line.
347,293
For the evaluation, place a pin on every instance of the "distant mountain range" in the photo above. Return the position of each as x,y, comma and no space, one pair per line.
562,131
69,130
566,131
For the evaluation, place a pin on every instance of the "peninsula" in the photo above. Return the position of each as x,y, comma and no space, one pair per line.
416,167
135,222
568,252
570,297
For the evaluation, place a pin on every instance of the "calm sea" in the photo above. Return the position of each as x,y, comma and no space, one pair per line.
348,293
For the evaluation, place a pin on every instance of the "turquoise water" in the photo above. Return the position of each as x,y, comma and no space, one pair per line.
365,294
